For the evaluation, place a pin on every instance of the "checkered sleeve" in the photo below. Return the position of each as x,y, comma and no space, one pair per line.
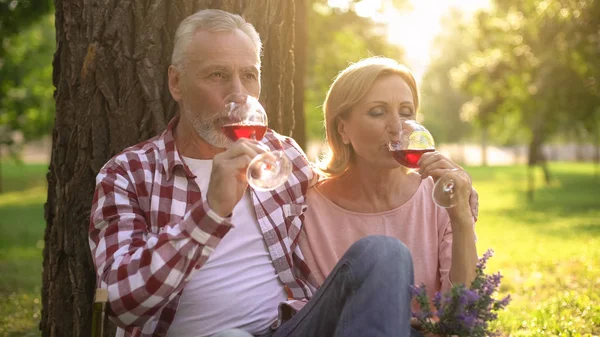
300,162
143,270
303,165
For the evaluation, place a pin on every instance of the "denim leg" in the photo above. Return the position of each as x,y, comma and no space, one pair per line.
233,333
366,295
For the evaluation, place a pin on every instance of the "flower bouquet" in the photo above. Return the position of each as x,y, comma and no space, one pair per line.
462,311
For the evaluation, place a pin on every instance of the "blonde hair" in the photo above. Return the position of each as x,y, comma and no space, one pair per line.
347,89
212,20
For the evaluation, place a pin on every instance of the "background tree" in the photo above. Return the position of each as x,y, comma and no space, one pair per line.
534,73
300,57
111,92
440,101
25,101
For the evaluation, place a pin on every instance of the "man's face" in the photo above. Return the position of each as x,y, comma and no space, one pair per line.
216,65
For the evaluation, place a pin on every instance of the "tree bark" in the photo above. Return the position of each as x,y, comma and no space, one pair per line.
300,52
531,162
536,155
597,151
530,183
484,145
1,186
111,92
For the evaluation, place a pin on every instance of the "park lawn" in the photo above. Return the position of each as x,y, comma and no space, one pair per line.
547,250
21,244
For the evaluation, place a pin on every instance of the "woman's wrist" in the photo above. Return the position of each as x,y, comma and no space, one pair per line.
461,215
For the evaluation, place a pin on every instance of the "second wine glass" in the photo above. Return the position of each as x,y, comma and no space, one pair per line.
412,142
245,117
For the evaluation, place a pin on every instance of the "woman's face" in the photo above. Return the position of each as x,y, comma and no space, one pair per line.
375,120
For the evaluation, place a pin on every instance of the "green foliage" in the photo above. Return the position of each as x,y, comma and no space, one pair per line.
535,67
26,90
25,87
18,14
335,38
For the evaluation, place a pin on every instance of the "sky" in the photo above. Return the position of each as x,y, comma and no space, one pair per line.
414,29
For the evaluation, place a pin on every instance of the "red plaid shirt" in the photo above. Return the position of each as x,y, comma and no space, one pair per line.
150,230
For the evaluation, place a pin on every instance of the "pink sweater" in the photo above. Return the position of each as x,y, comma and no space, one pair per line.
425,229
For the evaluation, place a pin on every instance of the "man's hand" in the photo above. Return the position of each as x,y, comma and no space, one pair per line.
228,178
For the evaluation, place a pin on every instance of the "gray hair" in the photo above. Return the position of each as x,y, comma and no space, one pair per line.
212,20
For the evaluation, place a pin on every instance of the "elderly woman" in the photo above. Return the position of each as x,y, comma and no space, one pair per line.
367,192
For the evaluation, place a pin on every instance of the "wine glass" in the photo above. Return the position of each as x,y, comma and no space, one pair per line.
245,117
412,142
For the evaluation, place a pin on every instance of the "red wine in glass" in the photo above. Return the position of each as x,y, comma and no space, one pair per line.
409,158
244,130
408,145
245,117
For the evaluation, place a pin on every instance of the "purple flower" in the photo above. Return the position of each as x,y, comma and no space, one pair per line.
437,300
471,296
422,315
419,290
463,311
482,261
469,320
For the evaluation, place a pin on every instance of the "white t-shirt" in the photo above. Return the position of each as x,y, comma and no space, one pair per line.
238,286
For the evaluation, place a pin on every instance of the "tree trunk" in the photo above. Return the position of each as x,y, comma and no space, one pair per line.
597,151
111,92
536,155
484,146
532,157
530,183
544,164
535,158
531,162
300,52
1,187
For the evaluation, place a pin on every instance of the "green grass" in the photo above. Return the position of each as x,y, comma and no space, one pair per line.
548,250
21,243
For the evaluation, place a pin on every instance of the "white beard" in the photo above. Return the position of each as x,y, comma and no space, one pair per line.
205,127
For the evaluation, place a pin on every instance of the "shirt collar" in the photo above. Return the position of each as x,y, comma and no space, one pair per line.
171,159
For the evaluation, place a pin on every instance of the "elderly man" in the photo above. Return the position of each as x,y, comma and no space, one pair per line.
186,249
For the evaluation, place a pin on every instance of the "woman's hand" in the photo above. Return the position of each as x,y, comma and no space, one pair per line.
436,165
465,209
414,323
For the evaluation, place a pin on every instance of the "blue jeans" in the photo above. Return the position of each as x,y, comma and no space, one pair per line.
366,295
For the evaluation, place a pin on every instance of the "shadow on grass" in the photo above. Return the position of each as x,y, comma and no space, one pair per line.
20,275
582,230
21,226
17,177
552,218
21,246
